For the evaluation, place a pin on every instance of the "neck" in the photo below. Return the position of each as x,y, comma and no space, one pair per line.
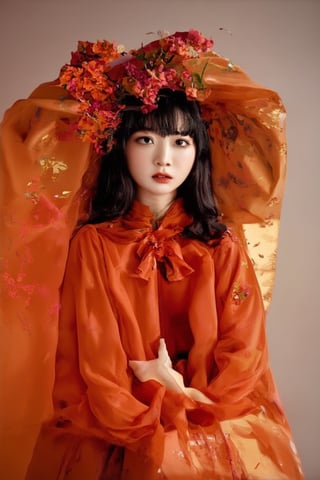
158,205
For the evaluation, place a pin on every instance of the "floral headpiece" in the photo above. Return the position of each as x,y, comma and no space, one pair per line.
101,75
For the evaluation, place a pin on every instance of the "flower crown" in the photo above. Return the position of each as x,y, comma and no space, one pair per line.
102,75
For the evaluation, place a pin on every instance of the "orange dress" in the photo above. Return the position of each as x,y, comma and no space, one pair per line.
127,285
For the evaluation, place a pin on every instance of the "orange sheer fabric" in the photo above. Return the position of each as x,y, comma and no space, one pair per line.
248,143
41,177
219,347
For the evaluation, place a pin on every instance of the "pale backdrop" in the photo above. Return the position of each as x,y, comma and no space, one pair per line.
277,42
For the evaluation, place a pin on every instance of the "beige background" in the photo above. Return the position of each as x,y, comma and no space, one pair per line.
277,42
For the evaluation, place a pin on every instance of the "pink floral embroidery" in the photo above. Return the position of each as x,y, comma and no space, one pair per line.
16,287
239,293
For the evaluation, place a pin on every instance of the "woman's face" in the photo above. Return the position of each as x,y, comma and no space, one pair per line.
159,165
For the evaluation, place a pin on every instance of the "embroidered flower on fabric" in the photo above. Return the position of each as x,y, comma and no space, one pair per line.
16,287
239,293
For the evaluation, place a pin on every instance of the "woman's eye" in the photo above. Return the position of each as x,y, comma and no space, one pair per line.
144,140
181,142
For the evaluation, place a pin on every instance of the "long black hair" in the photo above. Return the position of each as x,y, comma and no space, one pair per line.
116,190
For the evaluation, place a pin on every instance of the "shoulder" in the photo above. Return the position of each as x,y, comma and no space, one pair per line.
231,250
83,233
86,239
95,235
229,239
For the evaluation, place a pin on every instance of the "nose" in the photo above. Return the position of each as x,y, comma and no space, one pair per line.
163,154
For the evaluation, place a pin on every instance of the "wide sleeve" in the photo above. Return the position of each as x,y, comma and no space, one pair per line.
93,381
241,355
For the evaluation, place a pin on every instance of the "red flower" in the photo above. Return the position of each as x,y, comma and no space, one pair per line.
100,84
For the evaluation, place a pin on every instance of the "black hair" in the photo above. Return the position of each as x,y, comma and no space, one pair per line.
116,190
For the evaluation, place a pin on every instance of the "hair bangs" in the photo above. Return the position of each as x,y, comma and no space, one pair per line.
173,116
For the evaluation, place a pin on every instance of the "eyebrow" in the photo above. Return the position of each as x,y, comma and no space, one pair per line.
184,133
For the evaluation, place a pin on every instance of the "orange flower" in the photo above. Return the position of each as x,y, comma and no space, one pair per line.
100,85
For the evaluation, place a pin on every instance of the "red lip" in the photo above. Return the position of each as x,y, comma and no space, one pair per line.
161,177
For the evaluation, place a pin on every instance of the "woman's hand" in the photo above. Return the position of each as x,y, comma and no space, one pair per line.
160,369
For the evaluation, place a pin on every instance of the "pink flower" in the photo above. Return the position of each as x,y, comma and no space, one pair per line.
99,77
191,92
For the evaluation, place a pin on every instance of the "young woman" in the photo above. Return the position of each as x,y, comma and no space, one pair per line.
161,368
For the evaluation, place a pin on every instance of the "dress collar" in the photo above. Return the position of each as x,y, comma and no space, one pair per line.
155,247
140,216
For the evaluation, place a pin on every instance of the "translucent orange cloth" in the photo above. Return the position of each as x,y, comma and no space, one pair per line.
41,177
46,177
212,318
248,143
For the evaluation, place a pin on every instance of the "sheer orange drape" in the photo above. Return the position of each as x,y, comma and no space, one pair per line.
41,177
